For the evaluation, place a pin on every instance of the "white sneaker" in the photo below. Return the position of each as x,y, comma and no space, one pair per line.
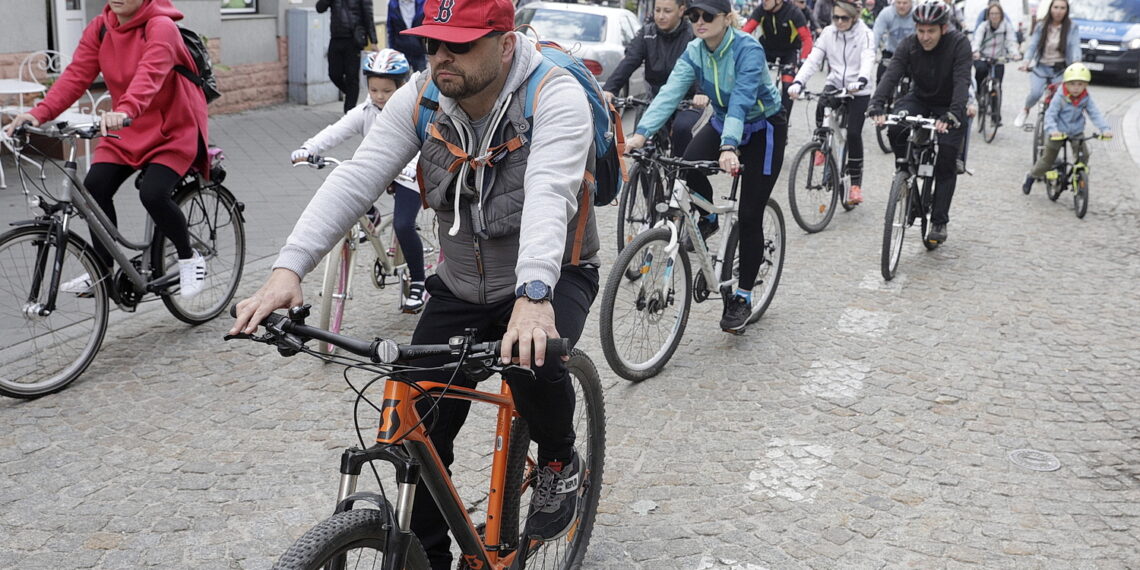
81,285
1020,120
192,275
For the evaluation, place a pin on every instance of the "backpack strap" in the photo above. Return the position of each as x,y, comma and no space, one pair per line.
427,103
584,202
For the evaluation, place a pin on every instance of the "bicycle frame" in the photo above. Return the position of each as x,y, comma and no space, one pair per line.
681,205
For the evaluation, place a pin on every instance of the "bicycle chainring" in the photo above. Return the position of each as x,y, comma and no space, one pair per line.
126,296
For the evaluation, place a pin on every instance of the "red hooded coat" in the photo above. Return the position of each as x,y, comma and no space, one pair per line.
137,59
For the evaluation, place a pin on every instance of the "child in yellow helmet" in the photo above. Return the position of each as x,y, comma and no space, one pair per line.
1065,117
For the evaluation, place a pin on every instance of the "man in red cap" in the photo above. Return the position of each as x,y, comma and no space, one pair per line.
519,253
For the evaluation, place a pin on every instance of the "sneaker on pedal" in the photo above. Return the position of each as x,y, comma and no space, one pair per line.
81,286
819,158
1027,186
856,196
736,313
937,234
414,302
554,502
1019,122
191,276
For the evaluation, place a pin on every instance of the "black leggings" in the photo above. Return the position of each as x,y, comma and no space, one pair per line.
156,192
856,116
755,186
982,70
344,69
546,403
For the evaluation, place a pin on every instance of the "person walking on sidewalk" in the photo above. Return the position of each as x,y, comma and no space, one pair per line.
520,254
351,30
136,45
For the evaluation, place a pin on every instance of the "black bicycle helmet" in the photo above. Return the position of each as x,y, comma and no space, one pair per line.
932,13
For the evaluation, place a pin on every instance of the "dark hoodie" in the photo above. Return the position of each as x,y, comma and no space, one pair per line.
659,52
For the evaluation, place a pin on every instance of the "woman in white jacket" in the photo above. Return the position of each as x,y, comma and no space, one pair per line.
994,40
848,45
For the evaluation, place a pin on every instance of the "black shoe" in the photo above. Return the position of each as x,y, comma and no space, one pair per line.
1027,186
554,502
736,313
961,164
937,234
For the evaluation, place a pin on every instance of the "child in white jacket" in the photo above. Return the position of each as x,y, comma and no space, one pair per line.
849,48
386,71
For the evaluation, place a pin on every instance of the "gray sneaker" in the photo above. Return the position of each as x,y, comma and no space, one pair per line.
737,310
554,502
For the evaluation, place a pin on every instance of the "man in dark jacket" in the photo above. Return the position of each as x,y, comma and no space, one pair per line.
352,29
403,15
939,61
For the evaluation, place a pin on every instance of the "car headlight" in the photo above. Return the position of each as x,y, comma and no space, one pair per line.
1134,43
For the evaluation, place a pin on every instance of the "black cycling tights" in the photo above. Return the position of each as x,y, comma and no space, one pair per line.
156,193
755,186
856,116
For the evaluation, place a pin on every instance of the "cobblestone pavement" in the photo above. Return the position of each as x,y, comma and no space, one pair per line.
859,424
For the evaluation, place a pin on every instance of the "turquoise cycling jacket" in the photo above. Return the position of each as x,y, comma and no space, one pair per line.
735,78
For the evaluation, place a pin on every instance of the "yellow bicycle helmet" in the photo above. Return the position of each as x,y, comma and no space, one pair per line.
1077,72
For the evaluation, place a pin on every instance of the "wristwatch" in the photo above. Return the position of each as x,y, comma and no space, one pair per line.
535,291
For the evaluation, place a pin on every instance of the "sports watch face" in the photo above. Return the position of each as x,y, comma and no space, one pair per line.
537,290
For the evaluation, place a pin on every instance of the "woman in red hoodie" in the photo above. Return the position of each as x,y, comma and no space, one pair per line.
135,44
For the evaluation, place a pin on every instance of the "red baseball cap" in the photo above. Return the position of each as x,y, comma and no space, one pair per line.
462,21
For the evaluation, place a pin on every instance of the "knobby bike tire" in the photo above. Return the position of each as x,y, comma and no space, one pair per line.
329,544
43,355
802,187
1081,193
645,309
894,224
772,266
635,208
334,290
568,551
217,231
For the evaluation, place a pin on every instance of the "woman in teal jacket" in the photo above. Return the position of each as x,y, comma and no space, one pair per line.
747,128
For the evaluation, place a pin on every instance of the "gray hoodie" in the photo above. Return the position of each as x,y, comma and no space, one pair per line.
563,131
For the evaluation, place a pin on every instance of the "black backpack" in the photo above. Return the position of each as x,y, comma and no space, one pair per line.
204,79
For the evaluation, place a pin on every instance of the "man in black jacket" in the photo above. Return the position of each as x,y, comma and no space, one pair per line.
352,29
939,61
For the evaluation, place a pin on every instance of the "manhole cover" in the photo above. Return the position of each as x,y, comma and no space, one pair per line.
1035,460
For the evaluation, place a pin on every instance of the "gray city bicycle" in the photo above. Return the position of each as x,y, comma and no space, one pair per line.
50,337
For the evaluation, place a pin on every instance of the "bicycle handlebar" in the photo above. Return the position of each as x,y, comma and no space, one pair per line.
289,333
63,129
841,94
317,161
1082,138
917,121
650,152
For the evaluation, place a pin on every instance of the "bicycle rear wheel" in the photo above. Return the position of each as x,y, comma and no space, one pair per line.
40,355
1039,136
643,317
590,431
894,224
352,539
1081,193
335,289
813,190
635,208
217,232
771,267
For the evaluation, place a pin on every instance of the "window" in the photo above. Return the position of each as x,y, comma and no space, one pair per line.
239,6
564,24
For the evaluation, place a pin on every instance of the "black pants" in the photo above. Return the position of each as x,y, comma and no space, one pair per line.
982,70
547,404
856,116
344,69
755,186
681,130
945,168
156,191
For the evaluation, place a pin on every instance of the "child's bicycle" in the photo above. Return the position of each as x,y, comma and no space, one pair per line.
647,296
912,190
372,529
817,180
340,263
1073,176
51,336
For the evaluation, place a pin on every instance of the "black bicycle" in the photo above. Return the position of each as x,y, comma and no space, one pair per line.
51,336
912,190
989,101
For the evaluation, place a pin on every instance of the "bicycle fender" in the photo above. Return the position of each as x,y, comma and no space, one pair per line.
374,498
225,193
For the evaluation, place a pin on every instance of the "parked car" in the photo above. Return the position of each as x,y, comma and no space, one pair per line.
596,34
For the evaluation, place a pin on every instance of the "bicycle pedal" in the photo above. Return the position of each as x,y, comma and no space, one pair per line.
737,332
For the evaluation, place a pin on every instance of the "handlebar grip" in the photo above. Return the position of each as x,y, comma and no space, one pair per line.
554,347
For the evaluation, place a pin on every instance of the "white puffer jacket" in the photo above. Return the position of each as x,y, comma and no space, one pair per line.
850,56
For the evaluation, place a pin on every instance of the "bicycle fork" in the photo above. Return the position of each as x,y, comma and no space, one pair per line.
407,476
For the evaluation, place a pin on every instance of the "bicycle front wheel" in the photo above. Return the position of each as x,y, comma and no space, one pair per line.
894,224
813,188
645,306
217,232
335,290
989,116
1081,193
590,435
882,138
635,208
42,354
771,267
352,539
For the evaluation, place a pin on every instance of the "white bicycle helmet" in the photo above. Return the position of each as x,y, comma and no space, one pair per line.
386,63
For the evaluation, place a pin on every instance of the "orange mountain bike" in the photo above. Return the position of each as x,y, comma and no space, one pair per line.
367,530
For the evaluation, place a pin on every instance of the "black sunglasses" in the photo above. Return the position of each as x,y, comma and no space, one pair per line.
839,18
431,45
695,15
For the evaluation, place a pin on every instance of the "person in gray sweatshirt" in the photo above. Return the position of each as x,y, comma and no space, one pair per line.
518,235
